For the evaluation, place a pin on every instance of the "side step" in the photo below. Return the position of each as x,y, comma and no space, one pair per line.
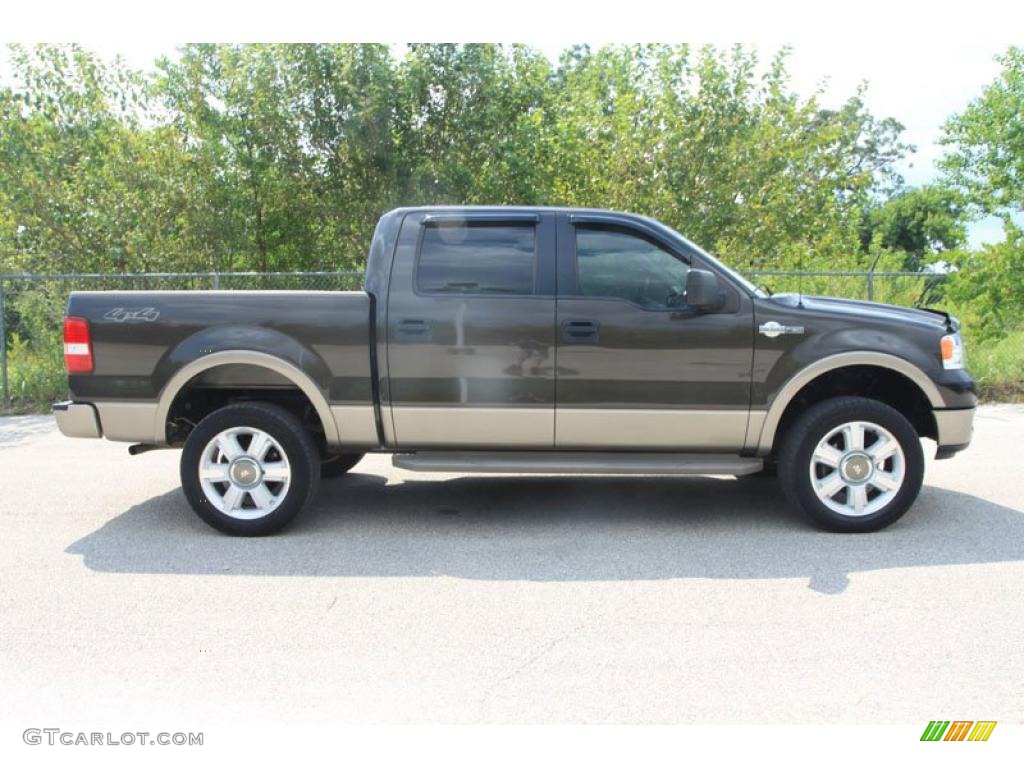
577,463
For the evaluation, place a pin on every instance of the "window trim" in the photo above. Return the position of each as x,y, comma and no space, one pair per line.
437,221
609,223
479,217
633,226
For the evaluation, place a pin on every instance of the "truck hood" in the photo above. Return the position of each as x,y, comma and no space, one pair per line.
853,308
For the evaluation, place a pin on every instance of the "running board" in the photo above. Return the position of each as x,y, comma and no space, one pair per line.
577,463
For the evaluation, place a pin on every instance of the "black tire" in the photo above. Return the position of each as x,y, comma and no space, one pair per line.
338,464
300,453
802,439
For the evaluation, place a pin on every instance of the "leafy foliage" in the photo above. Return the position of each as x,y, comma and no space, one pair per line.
989,286
986,159
985,164
920,223
275,157
282,157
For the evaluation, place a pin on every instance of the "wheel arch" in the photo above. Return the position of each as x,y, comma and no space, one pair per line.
181,379
806,379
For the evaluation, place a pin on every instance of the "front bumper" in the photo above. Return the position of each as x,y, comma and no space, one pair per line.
955,427
77,419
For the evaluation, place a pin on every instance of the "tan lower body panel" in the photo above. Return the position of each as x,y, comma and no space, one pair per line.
77,420
955,426
130,422
755,425
136,423
357,425
476,427
650,429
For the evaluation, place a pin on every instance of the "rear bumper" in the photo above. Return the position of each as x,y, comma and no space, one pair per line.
77,419
955,427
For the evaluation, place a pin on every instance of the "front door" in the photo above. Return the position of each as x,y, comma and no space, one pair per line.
471,331
637,368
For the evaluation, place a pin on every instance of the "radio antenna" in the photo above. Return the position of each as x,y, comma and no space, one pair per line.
800,280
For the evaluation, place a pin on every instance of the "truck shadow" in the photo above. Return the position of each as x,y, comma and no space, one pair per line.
556,529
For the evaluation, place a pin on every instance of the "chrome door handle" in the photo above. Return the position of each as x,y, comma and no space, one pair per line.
581,332
413,329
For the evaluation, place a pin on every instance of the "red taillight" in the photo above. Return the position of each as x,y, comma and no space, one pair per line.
77,345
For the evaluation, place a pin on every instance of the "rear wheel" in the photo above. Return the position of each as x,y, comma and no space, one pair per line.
852,464
247,469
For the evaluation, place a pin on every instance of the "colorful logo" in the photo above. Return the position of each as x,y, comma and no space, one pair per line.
958,730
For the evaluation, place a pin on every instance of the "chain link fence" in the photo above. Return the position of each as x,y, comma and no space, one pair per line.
32,307
909,289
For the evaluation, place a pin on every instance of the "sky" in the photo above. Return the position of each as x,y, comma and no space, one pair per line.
922,62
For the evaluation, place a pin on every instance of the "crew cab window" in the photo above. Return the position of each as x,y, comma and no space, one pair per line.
477,258
617,264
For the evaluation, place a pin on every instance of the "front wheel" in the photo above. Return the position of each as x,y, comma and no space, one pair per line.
248,468
852,464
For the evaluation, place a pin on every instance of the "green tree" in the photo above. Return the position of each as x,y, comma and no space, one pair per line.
232,104
988,286
921,222
87,182
734,160
302,140
986,140
276,157
345,99
985,161
472,124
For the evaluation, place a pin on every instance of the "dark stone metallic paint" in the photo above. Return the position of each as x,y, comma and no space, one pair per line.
504,351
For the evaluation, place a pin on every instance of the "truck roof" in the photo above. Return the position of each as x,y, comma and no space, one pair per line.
515,209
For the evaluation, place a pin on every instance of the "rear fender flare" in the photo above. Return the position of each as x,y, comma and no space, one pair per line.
245,357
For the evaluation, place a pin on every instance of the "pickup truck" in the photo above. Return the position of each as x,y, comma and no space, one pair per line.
522,340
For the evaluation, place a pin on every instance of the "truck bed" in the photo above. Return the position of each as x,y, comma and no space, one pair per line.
142,339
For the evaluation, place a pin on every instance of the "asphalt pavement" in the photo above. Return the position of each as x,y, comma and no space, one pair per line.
409,598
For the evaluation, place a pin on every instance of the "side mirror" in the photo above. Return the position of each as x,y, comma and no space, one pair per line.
702,291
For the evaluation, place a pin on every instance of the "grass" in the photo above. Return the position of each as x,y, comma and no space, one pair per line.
34,380
37,380
998,367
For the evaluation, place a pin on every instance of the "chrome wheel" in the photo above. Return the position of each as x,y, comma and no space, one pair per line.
244,473
857,468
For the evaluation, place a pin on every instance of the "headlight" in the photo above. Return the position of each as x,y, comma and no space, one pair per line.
952,348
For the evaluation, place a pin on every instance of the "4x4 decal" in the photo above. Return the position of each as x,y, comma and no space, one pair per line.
122,315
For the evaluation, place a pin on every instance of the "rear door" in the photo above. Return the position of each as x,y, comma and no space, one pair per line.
471,330
637,368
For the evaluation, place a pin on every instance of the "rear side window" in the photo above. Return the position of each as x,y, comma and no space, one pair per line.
477,258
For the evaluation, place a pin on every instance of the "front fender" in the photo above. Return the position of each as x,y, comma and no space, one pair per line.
843,360
787,358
